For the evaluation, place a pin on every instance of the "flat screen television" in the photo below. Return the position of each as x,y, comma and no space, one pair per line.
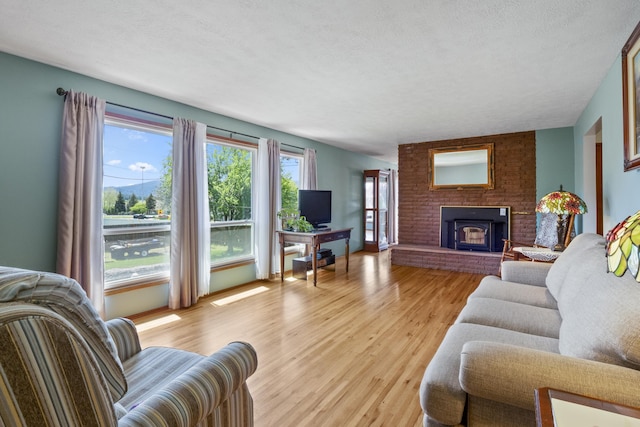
315,206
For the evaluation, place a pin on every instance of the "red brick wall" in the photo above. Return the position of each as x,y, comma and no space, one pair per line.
514,179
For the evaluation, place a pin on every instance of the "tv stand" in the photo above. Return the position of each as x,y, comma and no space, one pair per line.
313,239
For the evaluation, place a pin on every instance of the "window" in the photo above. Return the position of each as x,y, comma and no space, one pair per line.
136,200
290,173
229,169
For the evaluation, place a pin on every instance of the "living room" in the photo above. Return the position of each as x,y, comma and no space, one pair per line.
30,128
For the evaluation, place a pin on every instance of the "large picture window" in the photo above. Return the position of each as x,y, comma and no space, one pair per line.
137,200
136,203
230,177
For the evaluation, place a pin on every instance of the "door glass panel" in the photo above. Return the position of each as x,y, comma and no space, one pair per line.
369,188
382,237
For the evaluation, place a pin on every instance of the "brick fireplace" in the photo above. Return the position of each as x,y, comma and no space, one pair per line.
419,208
474,228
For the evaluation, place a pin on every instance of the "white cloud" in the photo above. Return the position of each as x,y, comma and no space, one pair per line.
142,166
135,135
114,162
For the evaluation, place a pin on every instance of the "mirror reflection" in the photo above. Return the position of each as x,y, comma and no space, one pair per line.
470,166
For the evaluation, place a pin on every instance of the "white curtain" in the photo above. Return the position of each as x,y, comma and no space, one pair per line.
393,205
190,221
309,170
80,246
267,205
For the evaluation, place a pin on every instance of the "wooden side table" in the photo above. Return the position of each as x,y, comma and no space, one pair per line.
557,408
313,239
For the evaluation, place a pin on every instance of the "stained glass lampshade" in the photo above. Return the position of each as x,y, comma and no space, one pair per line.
562,203
622,247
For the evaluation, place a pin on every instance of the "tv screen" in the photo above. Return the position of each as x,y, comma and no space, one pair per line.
315,206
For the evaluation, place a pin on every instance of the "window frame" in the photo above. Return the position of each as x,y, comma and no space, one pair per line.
253,149
139,124
294,247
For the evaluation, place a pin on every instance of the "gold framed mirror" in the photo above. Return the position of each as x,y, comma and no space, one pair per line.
461,167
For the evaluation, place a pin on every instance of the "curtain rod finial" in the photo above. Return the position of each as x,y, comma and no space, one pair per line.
60,91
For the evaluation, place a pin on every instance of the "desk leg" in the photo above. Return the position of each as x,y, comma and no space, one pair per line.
346,254
314,263
281,240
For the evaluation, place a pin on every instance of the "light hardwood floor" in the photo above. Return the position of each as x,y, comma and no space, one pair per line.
349,352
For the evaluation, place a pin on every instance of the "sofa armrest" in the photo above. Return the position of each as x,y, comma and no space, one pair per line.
510,374
125,335
194,395
526,272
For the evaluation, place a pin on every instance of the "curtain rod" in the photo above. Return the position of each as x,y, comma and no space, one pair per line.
61,92
293,146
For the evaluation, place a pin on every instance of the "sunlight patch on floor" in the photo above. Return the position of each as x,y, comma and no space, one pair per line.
157,322
239,296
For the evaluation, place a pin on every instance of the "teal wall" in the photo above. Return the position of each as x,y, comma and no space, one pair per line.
31,113
620,189
30,128
554,160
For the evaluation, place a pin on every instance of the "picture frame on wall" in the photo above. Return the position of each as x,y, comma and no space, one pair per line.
631,100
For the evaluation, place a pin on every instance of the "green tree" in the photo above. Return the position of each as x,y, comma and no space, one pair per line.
109,198
139,208
151,203
289,191
229,177
132,201
120,205
164,189
229,172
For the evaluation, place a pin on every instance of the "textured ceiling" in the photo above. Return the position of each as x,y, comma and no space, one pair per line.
362,75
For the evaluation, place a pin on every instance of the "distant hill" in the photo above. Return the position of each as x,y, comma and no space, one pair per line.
141,191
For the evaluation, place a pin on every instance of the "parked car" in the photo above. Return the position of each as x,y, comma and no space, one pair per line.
136,247
140,216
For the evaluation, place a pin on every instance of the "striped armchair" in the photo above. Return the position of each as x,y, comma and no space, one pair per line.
60,364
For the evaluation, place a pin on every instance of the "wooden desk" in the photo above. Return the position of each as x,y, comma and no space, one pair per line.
313,239
598,412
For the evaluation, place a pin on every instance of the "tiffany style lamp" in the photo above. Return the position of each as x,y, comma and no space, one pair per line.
566,205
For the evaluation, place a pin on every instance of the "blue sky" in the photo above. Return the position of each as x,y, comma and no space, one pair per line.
131,156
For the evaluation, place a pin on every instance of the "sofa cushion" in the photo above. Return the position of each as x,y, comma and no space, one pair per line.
600,312
441,395
511,315
494,287
572,256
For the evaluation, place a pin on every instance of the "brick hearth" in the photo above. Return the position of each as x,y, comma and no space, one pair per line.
446,259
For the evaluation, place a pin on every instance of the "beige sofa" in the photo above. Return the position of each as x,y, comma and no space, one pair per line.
568,325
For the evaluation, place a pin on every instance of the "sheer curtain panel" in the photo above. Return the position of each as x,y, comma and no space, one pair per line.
267,205
190,222
309,170
80,246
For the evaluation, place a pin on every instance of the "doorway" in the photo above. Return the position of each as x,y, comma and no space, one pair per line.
593,221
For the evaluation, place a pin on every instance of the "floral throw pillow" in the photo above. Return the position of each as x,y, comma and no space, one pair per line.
622,247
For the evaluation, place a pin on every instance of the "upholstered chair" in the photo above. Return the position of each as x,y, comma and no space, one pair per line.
62,365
